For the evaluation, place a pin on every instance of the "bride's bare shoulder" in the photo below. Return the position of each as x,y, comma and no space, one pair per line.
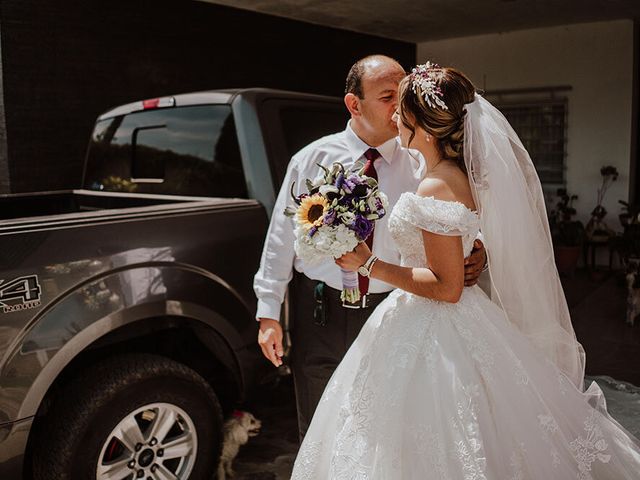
435,187
449,184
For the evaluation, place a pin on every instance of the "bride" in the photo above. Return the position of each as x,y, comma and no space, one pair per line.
442,381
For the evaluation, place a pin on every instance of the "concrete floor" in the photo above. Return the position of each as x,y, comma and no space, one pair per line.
270,455
598,309
598,312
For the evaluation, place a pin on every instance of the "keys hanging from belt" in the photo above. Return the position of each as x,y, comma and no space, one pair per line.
319,309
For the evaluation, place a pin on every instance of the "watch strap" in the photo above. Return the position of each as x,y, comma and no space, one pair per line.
369,263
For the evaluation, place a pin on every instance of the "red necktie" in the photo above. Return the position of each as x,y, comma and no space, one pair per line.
369,171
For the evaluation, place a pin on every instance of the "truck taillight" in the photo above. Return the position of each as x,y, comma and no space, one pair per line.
158,103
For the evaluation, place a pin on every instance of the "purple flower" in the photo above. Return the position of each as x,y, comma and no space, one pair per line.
348,186
362,227
329,217
345,201
312,231
339,181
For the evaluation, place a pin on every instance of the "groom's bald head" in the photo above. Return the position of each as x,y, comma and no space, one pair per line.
368,67
372,96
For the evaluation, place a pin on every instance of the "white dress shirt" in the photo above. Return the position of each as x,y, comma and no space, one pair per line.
398,172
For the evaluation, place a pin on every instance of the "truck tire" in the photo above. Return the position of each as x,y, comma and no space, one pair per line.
131,416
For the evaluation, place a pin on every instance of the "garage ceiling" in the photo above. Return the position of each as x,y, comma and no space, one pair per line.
422,20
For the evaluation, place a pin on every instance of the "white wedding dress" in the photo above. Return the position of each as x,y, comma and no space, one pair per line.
437,391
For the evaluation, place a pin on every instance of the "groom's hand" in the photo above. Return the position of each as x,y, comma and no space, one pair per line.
474,264
270,340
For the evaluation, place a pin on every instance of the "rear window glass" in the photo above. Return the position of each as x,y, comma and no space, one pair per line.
301,126
292,124
183,151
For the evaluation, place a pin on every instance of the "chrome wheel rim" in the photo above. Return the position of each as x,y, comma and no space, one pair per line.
157,441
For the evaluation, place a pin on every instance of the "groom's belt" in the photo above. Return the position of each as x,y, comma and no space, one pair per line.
324,294
368,300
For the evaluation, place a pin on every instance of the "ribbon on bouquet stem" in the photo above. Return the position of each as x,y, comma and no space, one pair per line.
350,290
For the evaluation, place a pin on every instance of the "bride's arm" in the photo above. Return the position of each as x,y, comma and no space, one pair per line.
443,279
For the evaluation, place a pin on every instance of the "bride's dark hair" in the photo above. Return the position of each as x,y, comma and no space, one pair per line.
446,126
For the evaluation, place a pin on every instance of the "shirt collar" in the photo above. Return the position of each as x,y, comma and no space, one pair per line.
357,146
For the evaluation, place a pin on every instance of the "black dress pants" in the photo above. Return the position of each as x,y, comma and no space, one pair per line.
317,350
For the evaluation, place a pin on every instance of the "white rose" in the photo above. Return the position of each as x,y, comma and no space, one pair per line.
371,203
324,189
384,200
348,217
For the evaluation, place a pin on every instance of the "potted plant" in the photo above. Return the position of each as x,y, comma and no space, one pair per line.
630,213
597,229
628,244
567,234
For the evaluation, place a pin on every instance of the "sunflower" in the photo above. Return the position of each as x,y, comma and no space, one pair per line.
311,210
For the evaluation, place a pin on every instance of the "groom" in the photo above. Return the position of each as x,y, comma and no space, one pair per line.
322,329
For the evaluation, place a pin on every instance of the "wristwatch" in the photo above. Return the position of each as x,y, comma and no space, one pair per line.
365,270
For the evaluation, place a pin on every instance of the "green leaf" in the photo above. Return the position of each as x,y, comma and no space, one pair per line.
309,184
293,195
325,169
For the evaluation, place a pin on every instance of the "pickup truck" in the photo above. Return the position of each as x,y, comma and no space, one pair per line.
127,314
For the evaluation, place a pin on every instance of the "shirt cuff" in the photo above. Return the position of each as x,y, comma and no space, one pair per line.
268,308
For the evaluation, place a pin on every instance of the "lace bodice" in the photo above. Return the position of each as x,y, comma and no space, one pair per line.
413,213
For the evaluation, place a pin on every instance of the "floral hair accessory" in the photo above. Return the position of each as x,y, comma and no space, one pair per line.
422,76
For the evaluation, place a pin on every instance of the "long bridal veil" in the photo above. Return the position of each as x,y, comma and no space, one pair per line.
513,218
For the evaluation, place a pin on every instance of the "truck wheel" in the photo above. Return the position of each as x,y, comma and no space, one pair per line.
132,416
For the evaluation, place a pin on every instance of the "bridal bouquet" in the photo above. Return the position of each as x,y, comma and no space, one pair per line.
336,213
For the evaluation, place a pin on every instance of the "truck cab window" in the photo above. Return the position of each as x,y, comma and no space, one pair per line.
190,150
290,125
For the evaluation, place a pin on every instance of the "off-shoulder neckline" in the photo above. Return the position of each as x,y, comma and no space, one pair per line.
431,197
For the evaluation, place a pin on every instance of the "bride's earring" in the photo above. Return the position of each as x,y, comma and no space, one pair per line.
428,137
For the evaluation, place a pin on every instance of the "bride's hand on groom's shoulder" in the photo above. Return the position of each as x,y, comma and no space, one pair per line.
270,340
474,264
354,259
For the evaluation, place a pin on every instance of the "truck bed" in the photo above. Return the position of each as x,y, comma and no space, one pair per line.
23,209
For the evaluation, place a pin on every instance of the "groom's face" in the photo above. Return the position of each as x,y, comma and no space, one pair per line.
380,90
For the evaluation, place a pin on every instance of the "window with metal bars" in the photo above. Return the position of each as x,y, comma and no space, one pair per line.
539,117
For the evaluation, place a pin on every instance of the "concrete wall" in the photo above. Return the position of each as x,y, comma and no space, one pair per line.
596,60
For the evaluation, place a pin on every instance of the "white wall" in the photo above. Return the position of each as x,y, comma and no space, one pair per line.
595,59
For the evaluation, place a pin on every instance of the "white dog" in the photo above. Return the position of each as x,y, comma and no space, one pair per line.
633,292
237,431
